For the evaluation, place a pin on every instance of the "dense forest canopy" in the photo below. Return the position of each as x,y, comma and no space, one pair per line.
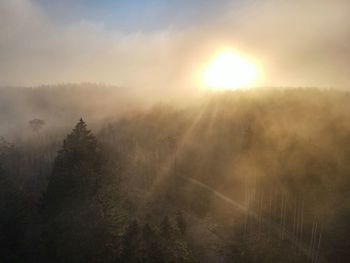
87,175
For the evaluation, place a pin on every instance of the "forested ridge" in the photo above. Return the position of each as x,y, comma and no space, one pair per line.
241,176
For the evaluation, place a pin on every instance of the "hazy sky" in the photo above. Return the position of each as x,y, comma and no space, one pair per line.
160,44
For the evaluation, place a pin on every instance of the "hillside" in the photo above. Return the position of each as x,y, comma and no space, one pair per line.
241,176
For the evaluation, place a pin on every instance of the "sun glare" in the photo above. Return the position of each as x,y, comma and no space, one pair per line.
230,70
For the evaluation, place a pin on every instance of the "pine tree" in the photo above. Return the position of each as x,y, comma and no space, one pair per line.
181,223
74,226
130,243
174,246
151,251
165,228
76,172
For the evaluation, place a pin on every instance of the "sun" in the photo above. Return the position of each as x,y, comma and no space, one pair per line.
230,70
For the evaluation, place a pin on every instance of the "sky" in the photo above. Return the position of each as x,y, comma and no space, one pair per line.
160,45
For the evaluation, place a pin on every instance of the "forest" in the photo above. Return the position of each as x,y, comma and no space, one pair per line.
90,174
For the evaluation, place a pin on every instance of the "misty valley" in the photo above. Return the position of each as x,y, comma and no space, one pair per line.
90,173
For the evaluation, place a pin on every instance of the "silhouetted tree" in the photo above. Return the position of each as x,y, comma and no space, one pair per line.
75,230
76,171
166,228
130,243
181,223
150,249
36,124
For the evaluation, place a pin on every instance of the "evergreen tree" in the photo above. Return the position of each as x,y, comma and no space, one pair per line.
11,206
174,247
75,229
181,223
130,243
166,228
150,248
76,172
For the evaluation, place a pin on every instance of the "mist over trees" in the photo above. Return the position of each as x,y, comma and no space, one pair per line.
244,176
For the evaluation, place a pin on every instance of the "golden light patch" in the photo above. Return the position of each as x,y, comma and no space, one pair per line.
229,69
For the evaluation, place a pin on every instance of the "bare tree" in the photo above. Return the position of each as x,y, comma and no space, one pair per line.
36,124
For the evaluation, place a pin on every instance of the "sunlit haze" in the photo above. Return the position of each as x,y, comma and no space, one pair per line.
228,69
157,45
175,131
